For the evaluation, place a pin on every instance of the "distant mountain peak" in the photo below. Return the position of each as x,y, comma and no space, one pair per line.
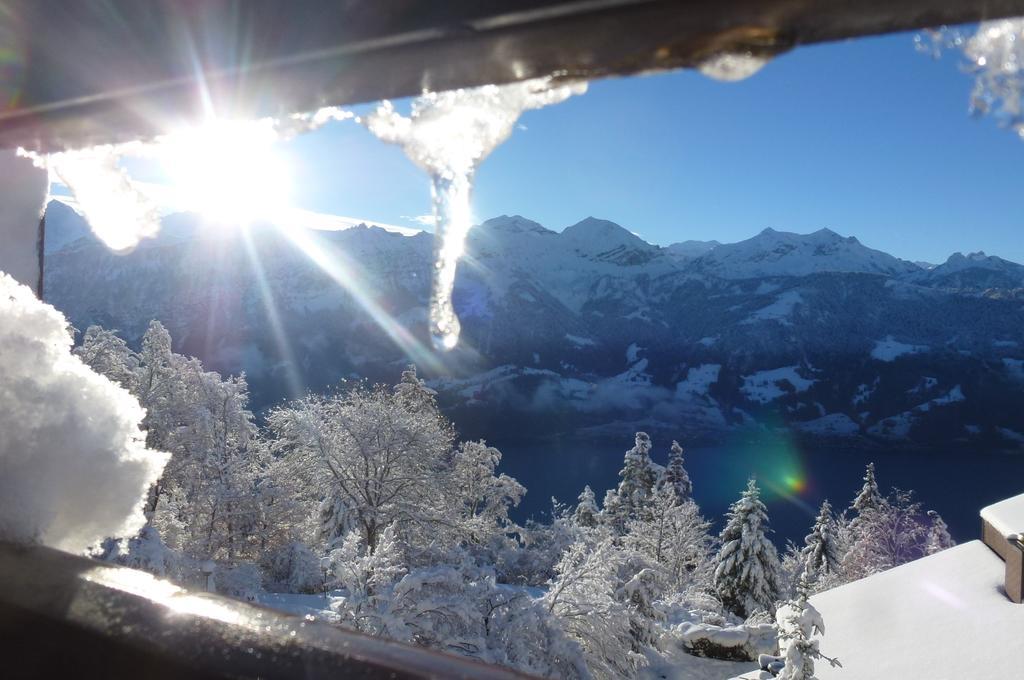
606,241
514,224
783,253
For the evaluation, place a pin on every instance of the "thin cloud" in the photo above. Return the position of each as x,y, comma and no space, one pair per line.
294,218
425,220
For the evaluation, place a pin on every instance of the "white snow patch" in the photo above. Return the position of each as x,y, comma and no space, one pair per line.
780,310
1015,367
864,392
74,467
580,341
888,349
698,380
898,426
633,353
763,386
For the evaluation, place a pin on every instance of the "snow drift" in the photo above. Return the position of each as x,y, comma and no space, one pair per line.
74,467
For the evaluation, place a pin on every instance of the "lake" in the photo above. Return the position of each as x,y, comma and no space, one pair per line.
794,478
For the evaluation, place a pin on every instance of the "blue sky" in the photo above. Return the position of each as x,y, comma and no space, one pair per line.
869,138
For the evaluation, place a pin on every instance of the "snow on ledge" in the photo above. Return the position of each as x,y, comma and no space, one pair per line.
943,616
1006,517
74,467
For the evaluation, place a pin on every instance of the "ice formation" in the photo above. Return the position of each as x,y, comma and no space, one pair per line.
119,212
732,66
74,467
996,53
447,135
995,56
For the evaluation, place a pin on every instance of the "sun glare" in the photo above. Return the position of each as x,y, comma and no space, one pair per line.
229,171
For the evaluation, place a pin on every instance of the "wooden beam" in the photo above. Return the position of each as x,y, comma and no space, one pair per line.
98,71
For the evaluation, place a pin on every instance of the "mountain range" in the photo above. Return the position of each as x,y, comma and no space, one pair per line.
589,330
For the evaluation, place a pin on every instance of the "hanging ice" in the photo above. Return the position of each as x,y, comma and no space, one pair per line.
732,66
119,212
996,53
447,135
995,56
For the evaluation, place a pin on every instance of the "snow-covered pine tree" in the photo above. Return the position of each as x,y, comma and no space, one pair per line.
798,623
414,392
636,484
614,512
869,496
938,537
821,553
747,566
675,476
586,513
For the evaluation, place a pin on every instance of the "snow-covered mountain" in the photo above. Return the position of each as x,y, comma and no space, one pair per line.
685,251
590,328
781,253
974,271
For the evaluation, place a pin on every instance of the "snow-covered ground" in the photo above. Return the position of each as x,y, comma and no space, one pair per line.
317,605
1006,517
888,349
763,386
944,616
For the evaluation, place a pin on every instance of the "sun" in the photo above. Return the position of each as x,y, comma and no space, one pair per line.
229,171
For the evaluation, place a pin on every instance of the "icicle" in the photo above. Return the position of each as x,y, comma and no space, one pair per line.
732,66
447,135
115,209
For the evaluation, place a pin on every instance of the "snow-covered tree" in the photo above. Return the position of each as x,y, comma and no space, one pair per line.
586,513
821,553
747,566
885,536
413,392
869,495
636,485
107,354
673,535
938,538
482,498
675,476
798,622
384,456
586,597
